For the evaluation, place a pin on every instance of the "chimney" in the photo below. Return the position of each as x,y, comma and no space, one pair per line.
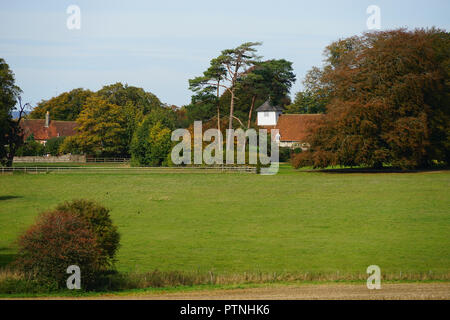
47,119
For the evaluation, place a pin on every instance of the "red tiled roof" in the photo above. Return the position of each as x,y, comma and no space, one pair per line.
55,129
295,127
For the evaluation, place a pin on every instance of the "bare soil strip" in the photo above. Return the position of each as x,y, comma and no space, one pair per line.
406,291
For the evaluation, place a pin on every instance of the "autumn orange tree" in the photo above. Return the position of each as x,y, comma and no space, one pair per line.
388,102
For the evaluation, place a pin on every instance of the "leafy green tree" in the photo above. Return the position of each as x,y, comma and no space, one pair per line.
237,61
151,144
10,132
181,115
66,106
203,107
8,94
136,104
72,145
164,115
224,73
259,81
315,96
30,148
278,78
306,103
52,146
212,80
122,95
268,79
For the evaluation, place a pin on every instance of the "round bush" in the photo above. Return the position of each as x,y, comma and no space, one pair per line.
100,223
56,241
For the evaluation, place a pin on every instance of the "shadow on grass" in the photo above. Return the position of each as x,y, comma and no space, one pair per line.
9,197
6,258
372,170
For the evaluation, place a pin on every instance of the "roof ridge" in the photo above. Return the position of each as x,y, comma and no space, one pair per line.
50,120
267,106
302,114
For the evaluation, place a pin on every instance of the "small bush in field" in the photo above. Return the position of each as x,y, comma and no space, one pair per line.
56,241
100,223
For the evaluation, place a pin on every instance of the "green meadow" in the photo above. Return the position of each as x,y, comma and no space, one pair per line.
295,221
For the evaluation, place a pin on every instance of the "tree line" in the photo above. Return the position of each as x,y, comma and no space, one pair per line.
126,121
384,97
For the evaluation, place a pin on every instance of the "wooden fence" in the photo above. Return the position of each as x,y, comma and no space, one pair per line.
42,169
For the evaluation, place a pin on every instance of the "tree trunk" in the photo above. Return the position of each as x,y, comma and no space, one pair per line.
250,112
10,160
378,165
230,123
218,115
15,138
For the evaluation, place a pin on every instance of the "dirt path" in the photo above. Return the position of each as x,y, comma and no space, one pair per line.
299,292
324,291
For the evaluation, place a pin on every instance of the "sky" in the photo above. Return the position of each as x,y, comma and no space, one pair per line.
159,45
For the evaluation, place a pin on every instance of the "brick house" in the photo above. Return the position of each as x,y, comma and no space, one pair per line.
293,128
45,129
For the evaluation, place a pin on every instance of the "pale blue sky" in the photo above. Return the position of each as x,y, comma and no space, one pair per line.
159,45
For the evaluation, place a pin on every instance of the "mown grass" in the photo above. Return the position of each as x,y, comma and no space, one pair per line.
236,224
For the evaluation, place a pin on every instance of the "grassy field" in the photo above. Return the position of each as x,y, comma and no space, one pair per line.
234,223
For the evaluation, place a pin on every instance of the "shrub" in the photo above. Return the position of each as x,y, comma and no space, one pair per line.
57,240
31,148
52,145
100,223
285,154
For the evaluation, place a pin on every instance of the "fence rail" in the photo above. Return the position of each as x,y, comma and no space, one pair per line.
41,169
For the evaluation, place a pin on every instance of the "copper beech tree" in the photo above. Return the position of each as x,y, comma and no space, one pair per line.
388,102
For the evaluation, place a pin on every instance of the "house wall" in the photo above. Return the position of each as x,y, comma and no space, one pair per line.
268,118
294,144
286,144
